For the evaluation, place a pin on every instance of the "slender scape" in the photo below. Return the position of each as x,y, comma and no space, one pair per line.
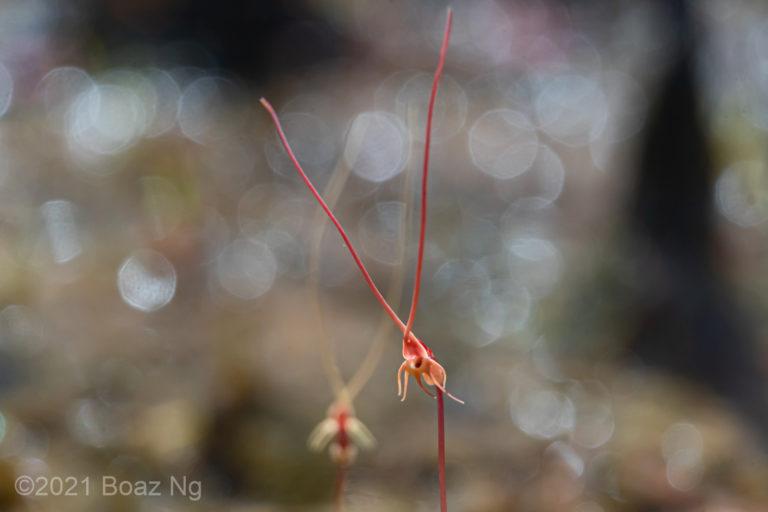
425,171
335,221
441,451
419,359
420,261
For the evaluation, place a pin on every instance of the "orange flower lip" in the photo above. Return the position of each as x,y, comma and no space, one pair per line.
422,367
421,363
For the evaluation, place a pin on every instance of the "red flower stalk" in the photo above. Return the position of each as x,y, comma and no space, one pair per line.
419,358
419,361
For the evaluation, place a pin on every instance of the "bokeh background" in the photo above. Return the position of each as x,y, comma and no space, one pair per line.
595,267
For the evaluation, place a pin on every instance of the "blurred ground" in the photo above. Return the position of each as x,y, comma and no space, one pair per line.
156,317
